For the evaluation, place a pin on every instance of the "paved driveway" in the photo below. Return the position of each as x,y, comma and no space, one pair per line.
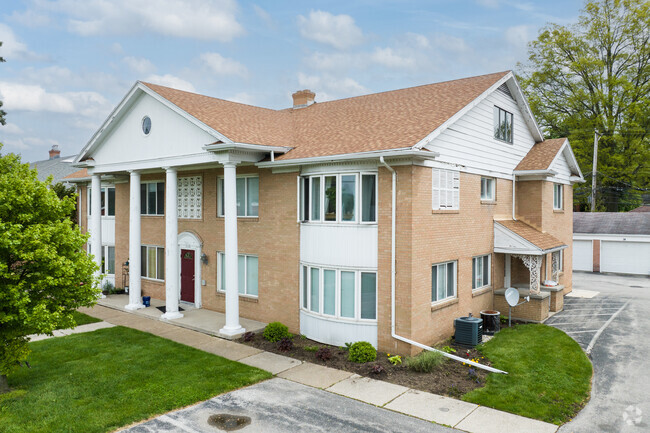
613,326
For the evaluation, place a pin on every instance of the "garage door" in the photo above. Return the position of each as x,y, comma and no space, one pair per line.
625,257
582,256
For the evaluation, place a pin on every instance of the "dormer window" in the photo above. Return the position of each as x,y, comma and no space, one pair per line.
502,125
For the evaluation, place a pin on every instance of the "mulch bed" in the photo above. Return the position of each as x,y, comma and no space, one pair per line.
452,379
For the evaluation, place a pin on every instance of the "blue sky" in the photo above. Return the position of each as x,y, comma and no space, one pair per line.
69,62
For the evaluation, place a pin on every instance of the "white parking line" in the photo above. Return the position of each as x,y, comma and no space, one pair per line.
602,328
580,332
565,323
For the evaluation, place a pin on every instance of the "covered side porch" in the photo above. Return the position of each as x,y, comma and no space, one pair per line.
533,261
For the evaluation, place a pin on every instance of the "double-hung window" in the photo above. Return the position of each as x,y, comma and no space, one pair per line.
152,198
342,198
488,188
443,281
481,271
247,274
152,262
339,293
445,189
502,125
558,256
107,200
247,196
557,196
108,259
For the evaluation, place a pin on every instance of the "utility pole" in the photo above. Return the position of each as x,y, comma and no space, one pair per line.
593,171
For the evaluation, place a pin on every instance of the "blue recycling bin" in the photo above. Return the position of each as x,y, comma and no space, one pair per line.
146,301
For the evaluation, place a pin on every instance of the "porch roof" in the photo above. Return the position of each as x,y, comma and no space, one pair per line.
517,237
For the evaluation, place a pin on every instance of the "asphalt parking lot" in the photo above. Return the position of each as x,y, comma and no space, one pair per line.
613,326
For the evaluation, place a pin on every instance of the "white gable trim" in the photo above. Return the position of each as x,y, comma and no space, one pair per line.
570,158
508,242
510,81
128,100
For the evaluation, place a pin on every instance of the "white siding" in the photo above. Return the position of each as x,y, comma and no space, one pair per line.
562,168
351,246
470,141
582,255
171,135
108,230
336,331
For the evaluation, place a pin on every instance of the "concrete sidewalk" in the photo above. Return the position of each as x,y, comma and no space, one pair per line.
430,407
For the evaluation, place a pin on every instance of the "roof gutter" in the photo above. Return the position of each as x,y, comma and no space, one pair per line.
392,153
547,172
393,271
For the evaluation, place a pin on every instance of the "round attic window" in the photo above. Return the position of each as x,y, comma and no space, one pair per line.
146,125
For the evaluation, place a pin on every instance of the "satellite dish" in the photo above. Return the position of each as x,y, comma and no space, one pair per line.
512,296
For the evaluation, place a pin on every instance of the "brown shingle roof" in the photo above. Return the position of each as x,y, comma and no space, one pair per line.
644,208
541,155
381,121
78,174
543,241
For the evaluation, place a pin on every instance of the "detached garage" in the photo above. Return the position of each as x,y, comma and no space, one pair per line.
614,242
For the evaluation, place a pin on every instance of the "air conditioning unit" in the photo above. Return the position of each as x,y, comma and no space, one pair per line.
469,331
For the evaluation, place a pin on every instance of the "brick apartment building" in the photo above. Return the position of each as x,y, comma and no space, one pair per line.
330,216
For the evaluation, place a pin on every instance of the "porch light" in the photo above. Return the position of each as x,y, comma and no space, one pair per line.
204,258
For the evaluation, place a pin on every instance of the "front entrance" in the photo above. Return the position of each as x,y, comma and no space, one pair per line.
187,275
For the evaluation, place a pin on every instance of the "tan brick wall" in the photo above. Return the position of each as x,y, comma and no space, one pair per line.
596,255
121,236
536,310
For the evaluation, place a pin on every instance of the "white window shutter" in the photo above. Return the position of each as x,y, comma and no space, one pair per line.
456,190
435,188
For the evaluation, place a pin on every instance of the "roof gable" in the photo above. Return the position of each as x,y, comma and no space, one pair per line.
553,154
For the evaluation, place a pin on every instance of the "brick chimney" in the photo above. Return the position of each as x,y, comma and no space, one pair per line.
55,152
303,98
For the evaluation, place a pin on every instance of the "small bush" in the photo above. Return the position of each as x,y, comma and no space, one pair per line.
395,360
276,331
311,348
449,349
285,345
324,354
361,352
248,336
425,362
377,369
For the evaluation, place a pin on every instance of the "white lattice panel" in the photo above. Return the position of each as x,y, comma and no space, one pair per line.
190,192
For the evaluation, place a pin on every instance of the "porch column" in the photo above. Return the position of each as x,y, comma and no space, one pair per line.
96,222
172,259
135,259
508,276
232,326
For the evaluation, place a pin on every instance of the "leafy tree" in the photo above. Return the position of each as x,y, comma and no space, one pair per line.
2,112
44,272
66,191
595,75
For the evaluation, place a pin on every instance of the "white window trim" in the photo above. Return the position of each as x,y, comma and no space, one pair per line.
337,290
488,181
358,201
144,260
455,295
455,189
560,260
512,126
105,191
558,196
220,270
475,261
142,211
220,212
105,248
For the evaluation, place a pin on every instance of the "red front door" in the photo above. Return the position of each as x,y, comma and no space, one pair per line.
187,275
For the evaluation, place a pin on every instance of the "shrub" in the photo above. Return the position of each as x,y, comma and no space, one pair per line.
311,348
276,331
361,352
449,349
395,360
377,369
285,345
425,362
324,354
248,336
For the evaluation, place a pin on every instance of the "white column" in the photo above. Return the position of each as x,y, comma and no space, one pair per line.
232,326
96,222
507,279
172,261
135,260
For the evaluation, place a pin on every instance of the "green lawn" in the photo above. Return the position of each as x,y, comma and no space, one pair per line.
84,319
549,375
102,380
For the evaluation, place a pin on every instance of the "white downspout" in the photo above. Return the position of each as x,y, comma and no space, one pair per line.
514,181
392,287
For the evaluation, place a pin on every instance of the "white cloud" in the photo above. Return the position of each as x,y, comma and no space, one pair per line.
197,19
518,36
139,65
11,128
264,16
392,59
116,48
449,43
26,97
12,48
421,41
172,81
223,66
24,143
335,61
30,18
339,31
328,87
243,98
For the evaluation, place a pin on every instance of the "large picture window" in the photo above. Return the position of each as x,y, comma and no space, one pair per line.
445,189
152,198
443,281
481,271
502,125
248,196
342,198
248,274
152,262
339,293
107,200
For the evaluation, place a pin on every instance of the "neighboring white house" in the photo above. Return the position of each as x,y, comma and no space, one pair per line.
617,242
